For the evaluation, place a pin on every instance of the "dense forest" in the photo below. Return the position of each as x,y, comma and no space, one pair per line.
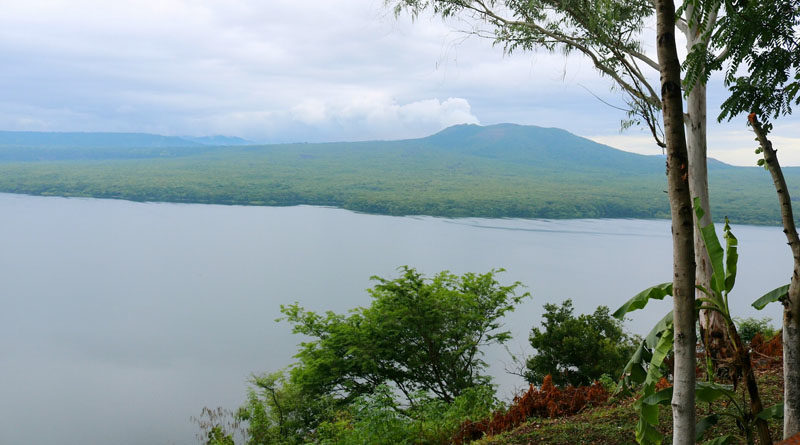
467,170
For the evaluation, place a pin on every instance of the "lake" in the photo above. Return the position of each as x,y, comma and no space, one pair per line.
120,320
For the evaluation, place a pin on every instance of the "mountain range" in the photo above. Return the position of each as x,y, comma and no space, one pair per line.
503,170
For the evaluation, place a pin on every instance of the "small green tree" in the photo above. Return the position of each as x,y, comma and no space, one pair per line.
418,334
217,436
750,326
578,350
278,412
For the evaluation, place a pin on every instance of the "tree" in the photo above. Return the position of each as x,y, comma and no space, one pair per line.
609,34
278,412
577,350
682,228
764,37
791,302
417,334
699,14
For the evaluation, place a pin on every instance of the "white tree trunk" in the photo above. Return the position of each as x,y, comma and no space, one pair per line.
683,414
791,309
711,322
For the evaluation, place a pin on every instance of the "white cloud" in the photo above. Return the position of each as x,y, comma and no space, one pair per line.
192,67
377,116
632,142
310,112
284,70
732,146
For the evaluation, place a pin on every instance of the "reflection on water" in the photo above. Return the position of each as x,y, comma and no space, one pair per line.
119,320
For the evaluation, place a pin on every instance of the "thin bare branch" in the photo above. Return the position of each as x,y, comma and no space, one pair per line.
573,43
601,99
722,55
650,62
681,24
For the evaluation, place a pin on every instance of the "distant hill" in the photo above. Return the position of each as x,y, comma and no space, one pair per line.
31,145
224,141
501,170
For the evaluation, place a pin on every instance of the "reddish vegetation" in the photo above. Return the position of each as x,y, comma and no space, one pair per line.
547,401
794,440
662,384
766,354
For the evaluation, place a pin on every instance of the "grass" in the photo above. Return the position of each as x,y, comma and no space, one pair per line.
615,423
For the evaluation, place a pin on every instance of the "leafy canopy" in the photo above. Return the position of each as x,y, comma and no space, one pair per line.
418,334
578,350
761,45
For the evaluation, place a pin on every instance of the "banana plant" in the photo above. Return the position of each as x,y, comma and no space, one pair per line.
645,367
778,294
723,278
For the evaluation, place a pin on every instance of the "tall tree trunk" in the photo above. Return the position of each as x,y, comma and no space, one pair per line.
791,306
682,226
742,356
712,324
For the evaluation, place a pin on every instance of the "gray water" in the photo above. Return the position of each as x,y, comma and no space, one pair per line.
120,320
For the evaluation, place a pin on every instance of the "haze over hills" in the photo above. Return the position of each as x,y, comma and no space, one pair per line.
109,140
501,170
31,145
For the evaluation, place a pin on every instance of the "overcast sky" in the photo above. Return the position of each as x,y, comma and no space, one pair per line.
300,70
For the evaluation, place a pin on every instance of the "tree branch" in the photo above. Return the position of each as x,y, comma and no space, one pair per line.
681,24
722,55
596,60
650,62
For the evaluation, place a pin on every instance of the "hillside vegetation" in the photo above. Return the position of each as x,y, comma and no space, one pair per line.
467,170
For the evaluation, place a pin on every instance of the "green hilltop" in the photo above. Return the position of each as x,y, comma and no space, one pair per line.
501,170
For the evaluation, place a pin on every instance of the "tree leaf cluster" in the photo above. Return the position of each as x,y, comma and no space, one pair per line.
760,47
408,368
417,335
577,350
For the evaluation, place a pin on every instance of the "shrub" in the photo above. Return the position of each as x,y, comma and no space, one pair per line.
749,327
578,350
418,334
377,419
547,401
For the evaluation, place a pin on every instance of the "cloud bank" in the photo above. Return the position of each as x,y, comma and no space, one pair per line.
283,70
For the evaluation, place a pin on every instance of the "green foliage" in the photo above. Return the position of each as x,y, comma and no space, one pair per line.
750,326
577,350
777,294
648,403
644,365
279,412
761,45
418,334
614,424
640,300
217,436
218,426
406,369
376,419
724,268
609,383
723,265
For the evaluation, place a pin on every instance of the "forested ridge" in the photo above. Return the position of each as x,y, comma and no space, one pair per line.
467,170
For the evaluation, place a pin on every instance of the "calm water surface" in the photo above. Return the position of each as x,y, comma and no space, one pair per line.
120,320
